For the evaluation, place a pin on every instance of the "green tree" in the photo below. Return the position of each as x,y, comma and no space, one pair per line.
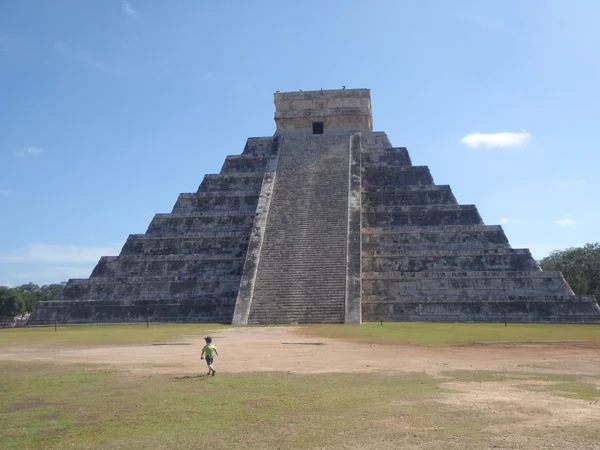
580,267
51,292
11,303
31,293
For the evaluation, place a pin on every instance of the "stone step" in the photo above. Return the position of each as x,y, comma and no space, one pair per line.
380,177
466,308
433,237
532,275
184,223
396,230
410,195
166,266
245,163
552,283
395,156
446,252
157,288
232,244
259,146
374,141
475,298
244,202
211,309
518,261
232,181
391,247
422,216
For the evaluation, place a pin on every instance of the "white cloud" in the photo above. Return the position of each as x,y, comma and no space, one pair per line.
94,62
54,274
5,192
571,183
29,151
128,9
60,253
564,222
505,139
506,220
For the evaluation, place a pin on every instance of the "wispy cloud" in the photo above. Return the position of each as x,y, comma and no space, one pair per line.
53,274
564,222
506,220
82,55
29,151
60,253
94,62
128,9
5,192
571,183
504,139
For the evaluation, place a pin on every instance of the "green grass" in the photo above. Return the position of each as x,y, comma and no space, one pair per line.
44,406
102,334
454,333
50,407
390,333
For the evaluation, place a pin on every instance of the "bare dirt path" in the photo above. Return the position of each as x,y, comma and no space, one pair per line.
263,349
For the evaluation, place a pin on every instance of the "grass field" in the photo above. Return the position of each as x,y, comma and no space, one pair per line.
60,406
82,407
415,333
455,333
105,334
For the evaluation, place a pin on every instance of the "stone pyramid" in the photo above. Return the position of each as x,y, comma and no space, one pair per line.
324,222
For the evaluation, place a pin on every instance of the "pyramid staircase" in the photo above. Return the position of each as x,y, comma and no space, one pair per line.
302,272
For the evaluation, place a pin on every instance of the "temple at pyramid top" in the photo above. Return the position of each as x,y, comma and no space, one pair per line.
324,111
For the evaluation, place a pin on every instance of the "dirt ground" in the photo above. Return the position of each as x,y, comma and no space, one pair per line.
285,349
288,349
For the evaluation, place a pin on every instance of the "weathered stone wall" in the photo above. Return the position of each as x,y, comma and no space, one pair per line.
342,109
427,258
187,266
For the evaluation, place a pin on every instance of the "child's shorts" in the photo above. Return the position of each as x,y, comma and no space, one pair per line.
209,360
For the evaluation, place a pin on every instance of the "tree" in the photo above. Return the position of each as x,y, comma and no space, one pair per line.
50,292
11,303
31,293
580,267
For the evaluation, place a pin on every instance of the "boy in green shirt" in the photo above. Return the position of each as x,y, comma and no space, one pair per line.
210,350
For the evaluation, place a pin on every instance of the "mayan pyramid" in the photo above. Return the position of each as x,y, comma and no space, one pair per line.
323,222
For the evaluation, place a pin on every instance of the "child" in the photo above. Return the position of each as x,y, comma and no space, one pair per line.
210,350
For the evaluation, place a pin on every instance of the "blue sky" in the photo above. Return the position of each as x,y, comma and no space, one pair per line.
109,109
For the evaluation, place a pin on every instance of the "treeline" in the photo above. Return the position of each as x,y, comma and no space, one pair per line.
22,299
580,267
